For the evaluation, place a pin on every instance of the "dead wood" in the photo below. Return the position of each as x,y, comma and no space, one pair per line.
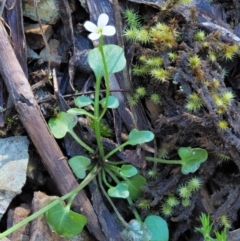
34,123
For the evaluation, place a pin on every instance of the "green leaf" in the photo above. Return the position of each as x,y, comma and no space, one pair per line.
61,124
82,101
139,137
114,56
64,221
128,170
79,165
191,158
135,185
120,191
137,231
113,102
158,227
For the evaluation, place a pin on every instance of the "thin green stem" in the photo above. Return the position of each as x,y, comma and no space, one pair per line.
84,183
114,163
96,120
115,150
80,142
125,224
104,179
107,80
153,159
135,212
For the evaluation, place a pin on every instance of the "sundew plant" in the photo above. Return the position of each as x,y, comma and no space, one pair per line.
126,180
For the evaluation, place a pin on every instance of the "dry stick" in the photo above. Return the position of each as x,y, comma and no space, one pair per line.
34,123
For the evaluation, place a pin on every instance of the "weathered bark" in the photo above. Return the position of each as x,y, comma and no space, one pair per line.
34,123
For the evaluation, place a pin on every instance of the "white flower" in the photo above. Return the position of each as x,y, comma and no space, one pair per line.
101,28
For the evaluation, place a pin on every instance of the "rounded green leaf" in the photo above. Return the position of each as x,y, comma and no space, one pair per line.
137,231
79,165
128,170
191,158
82,101
113,102
139,137
61,124
64,221
120,191
135,185
114,56
158,228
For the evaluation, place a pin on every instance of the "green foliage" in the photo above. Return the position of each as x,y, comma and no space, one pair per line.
139,137
206,230
194,102
82,101
135,185
172,201
144,204
79,165
132,18
158,227
113,102
61,124
115,60
120,191
128,171
191,159
194,184
64,221
155,98
166,210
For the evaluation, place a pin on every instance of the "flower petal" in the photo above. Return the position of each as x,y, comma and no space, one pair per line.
108,30
102,20
91,27
94,36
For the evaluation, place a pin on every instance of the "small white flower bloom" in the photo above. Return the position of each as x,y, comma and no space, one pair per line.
101,28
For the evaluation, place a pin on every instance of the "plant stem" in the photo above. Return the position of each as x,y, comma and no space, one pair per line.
114,163
96,121
115,150
84,183
106,77
135,212
125,224
80,142
153,159
105,180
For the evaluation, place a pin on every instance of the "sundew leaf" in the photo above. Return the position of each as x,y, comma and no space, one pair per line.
113,102
120,191
64,221
135,185
82,101
114,56
61,124
79,165
158,228
191,158
128,170
139,137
